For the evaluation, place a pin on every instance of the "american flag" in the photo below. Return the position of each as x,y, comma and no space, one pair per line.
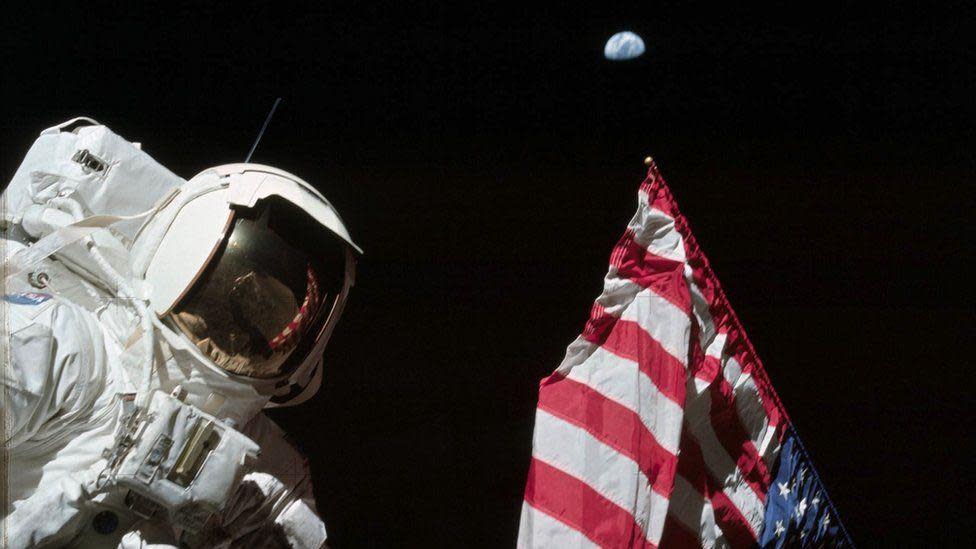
660,428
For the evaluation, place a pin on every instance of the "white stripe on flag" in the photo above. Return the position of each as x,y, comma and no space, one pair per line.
695,512
620,380
654,229
538,529
713,350
666,323
699,306
722,467
665,242
752,413
612,474
618,293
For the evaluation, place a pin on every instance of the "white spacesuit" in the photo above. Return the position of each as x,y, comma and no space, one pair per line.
146,322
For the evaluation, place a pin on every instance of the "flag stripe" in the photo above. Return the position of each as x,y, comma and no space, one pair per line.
725,471
728,429
728,516
621,380
634,262
725,421
764,434
668,326
629,340
665,321
717,462
707,285
735,528
653,227
660,425
616,478
729,452
626,337
706,369
578,505
762,430
691,511
539,529
614,425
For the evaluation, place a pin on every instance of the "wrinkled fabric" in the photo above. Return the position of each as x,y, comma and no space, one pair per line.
69,350
60,395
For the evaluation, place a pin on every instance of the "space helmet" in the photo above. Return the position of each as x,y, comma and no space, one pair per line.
253,266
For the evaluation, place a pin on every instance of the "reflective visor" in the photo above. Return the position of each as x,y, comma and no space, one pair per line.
266,292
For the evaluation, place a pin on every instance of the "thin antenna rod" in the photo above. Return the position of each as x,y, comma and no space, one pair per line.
263,127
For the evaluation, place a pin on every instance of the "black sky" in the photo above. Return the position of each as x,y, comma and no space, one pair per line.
487,158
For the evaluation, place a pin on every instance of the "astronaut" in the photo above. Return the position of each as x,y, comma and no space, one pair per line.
146,323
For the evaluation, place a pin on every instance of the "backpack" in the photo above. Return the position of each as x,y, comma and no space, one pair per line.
89,164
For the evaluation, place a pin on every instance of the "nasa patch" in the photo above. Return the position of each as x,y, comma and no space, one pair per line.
26,298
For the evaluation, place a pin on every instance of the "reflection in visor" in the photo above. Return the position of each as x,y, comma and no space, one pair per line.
267,325
253,308
288,337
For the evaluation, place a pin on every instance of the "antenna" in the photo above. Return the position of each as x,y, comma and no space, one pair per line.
261,133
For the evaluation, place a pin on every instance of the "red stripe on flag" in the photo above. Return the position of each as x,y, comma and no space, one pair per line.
576,504
599,325
726,422
728,517
655,199
613,424
724,317
629,340
664,276
706,368
734,438
735,527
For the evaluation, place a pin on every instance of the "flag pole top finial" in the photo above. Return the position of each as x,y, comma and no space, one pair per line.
648,160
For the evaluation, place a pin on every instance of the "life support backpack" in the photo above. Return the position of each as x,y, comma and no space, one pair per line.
82,183
88,163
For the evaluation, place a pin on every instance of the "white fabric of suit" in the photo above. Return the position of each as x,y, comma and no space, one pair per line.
68,357
69,350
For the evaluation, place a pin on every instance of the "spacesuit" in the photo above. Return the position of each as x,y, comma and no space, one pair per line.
146,323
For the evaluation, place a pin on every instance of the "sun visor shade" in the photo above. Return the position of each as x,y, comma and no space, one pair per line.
258,182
